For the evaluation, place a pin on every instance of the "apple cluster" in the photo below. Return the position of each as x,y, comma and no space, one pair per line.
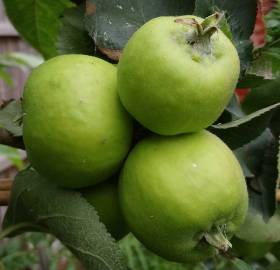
179,190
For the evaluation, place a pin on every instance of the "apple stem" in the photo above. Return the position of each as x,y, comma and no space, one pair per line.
211,24
218,239
202,32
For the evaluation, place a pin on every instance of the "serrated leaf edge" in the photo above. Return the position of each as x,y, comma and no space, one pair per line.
246,118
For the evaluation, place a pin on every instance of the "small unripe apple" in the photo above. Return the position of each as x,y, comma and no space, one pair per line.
250,251
256,236
256,229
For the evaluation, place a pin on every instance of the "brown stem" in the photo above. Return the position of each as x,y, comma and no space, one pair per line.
5,191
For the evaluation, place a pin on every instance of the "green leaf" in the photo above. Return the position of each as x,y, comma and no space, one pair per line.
241,16
251,154
252,80
66,215
225,27
266,63
19,260
262,96
20,60
274,124
267,178
111,23
12,154
272,26
11,116
242,131
72,36
139,258
260,157
232,111
241,265
241,156
37,21
234,108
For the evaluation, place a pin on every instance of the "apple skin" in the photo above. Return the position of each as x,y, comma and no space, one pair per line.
255,229
276,250
175,189
250,251
75,130
256,237
169,86
105,199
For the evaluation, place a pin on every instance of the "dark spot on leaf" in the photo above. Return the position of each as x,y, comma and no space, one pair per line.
120,19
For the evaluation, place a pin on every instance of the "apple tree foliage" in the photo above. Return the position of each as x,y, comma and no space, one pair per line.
102,28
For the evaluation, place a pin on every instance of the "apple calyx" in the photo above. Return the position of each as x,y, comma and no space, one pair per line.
217,238
200,34
210,24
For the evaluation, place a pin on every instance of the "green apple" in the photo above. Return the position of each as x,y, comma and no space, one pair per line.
75,129
250,251
256,229
256,236
183,196
276,250
105,199
177,74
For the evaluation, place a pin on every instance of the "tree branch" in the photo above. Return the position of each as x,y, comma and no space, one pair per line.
6,184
